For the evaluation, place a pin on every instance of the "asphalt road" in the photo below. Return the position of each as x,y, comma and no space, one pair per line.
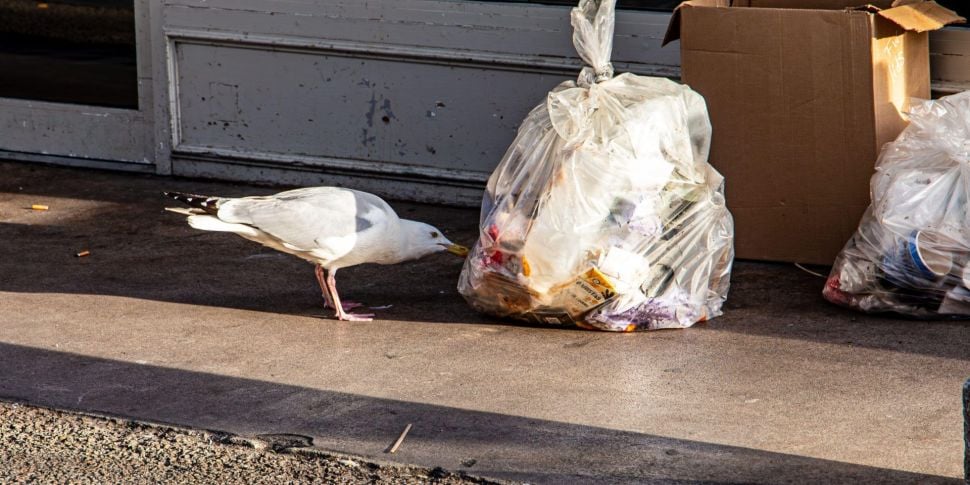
39,445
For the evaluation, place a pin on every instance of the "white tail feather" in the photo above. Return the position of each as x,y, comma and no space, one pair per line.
212,223
185,211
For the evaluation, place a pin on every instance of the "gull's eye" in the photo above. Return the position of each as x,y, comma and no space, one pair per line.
434,235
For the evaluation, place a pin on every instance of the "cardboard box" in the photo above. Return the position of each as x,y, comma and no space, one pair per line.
802,95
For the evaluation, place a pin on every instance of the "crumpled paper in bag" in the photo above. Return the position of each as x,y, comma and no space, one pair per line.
604,212
911,252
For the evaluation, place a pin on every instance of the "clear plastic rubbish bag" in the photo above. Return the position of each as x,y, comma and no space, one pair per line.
910,254
604,212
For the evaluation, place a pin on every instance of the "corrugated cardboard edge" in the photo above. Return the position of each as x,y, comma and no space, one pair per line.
920,16
913,15
673,28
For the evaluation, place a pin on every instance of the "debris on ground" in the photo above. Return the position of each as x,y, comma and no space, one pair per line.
39,445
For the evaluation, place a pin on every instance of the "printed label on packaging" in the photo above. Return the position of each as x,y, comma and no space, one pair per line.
585,292
552,317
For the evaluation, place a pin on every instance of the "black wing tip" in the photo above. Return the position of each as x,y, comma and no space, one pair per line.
204,202
176,195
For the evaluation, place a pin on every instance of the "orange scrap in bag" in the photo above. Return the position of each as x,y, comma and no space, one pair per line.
604,211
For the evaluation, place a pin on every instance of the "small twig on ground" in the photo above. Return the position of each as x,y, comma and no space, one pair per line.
400,439
809,271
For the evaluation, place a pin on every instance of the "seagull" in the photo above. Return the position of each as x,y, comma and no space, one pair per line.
330,227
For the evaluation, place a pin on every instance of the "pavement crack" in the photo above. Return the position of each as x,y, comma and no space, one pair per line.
280,442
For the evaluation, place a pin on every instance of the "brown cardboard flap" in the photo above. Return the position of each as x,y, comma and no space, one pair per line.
814,4
673,28
920,16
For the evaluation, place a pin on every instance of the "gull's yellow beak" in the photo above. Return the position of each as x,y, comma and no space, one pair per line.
456,249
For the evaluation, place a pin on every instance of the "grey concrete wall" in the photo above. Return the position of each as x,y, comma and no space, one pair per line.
414,99
410,98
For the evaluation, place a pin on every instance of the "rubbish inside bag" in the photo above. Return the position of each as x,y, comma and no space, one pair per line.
911,252
604,212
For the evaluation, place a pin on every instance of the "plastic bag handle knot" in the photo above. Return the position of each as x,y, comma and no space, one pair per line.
593,22
590,75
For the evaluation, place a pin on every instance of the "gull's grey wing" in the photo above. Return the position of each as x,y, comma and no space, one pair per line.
305,219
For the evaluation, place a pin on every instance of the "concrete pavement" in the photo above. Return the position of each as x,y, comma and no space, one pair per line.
167,324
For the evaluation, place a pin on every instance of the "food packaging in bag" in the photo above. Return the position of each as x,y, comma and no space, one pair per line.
604,212
911,252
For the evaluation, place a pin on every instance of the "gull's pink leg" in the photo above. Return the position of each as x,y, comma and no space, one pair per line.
341,314
328,302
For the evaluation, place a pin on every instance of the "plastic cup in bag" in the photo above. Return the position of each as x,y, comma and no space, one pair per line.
918,262
915,231
604,212
917,268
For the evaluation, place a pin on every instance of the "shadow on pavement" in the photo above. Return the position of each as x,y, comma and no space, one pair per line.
502,446
138,250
